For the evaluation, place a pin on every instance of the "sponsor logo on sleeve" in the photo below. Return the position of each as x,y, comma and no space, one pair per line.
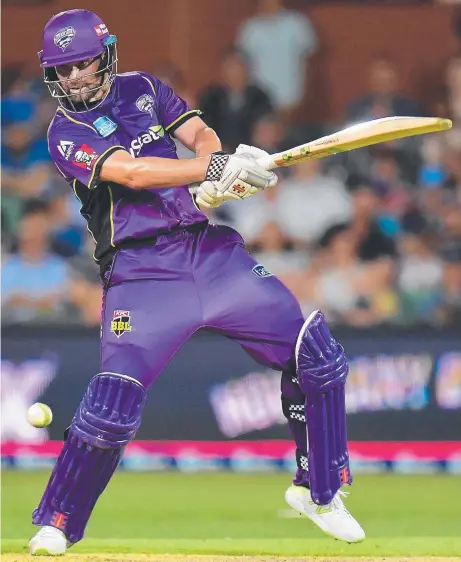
65,148
85,157
101,29
64,37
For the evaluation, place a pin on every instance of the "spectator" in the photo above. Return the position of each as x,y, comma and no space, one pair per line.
17,100
367,226
278,44
34,281
87,299
309,202
383,98
450,251
25,170
347,289
450,243
269,134
232,107
86,290
386,179
452,162
273,249
420,277
21,152
67,230
172,76
253,215
432,174
453,88
457,26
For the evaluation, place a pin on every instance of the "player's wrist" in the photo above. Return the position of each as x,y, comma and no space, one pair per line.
217,163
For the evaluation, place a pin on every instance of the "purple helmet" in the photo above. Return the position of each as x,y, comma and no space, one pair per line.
73,36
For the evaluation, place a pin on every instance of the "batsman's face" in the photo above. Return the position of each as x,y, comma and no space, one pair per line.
80,79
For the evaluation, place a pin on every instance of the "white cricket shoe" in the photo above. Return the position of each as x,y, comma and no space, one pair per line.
49,541
333,518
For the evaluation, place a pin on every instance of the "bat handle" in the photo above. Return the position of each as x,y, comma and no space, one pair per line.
267,162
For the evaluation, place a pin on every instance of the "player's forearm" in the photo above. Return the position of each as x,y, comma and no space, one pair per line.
152,172
206,142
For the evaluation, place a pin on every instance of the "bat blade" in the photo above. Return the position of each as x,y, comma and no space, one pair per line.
357,136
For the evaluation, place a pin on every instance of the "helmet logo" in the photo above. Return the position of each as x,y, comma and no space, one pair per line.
64,37
145,103
101,29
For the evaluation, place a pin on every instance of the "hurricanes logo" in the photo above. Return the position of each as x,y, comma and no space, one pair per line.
121,322
156,132
145,103
64,37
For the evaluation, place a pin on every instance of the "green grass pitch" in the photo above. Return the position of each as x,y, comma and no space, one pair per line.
243,514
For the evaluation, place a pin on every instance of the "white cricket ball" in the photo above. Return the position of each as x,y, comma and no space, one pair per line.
39,415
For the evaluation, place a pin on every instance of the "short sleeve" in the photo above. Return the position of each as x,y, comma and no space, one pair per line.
78,151
305,34
245,37
173,111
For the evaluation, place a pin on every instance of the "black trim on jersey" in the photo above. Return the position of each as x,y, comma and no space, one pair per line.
99,162
182,119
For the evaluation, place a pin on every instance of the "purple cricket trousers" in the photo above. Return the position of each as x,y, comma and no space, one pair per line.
202,278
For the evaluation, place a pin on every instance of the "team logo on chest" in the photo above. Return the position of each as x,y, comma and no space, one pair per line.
156,132
121,322
145,103
64,37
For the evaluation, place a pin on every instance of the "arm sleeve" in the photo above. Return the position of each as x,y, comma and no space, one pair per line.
172,109
79,152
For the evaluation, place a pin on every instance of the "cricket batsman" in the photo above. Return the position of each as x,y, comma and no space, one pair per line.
167,273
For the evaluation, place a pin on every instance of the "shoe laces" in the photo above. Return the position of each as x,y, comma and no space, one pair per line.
338,503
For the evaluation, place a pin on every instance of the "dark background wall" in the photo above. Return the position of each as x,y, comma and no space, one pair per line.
192,33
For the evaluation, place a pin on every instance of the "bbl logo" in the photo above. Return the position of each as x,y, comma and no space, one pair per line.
261,271
64,37
121,322
145,103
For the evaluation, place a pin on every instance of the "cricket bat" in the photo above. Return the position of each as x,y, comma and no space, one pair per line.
357,136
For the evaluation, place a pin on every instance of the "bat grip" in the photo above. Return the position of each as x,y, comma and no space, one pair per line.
267,162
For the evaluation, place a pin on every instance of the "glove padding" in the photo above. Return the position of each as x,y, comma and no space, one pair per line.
235,176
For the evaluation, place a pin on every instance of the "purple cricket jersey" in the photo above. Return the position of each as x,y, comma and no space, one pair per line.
138,115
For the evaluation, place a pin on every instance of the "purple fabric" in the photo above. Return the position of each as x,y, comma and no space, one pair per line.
106,420
190,281
322,373
136,116
71,36
110,413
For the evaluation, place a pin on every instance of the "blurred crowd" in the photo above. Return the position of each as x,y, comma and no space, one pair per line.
371,237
